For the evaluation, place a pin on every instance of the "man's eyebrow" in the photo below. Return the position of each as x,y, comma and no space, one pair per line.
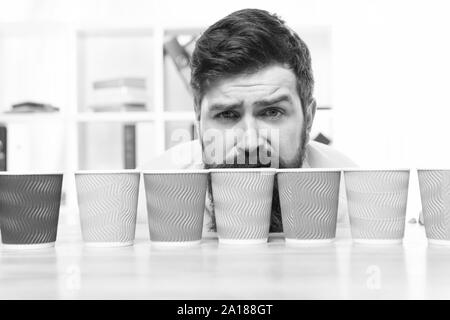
271,101
224,106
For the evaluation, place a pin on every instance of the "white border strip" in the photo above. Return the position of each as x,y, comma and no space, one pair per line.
439,242
108,244
28,246
176,171
308,241
300,170
243,241
378,241
175,244
124,171
245,170
376,169
35,173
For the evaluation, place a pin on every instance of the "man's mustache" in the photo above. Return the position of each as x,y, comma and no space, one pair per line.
237,166
246,160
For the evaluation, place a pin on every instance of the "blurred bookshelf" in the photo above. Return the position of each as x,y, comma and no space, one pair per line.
68,66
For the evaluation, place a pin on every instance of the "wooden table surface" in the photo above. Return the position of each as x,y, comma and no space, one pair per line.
341,270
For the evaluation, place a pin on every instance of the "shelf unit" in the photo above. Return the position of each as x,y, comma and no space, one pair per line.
67,59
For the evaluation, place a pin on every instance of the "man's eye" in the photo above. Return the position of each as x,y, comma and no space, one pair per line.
227,115
272,113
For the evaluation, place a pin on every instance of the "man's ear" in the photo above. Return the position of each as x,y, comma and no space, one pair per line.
310,114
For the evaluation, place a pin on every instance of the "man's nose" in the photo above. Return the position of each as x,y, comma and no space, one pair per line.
249,142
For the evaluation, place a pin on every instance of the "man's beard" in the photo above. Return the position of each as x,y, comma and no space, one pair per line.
276,224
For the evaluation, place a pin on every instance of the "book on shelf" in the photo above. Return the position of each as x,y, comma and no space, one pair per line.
139,83
29,106
3,150
119,107
125,94
193,132
129,148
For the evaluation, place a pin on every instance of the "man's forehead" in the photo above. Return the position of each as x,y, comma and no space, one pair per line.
265,83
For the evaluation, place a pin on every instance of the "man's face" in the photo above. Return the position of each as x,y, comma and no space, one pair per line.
254,120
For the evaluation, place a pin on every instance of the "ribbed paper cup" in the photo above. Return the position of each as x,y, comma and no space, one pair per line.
309,201
377,201
29,209
435,195
175,206
107,201
242,204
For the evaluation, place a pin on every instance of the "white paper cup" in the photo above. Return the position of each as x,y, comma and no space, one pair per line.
377,201
175,206
242,204
107,201
435,195
309,201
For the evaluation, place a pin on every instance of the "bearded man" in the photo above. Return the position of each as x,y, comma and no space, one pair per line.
252,82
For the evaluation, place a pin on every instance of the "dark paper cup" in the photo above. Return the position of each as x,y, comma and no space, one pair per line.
29,209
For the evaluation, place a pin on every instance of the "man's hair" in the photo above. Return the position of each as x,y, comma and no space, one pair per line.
245,42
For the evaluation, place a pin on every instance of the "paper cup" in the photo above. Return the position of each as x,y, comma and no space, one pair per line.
435,195
29,209
175,206
242,204
309,201
377,204
107,201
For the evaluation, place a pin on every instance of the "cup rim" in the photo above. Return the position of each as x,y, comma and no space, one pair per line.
300,170
434,169
248,170
120,171
174,171
35,173
376,169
